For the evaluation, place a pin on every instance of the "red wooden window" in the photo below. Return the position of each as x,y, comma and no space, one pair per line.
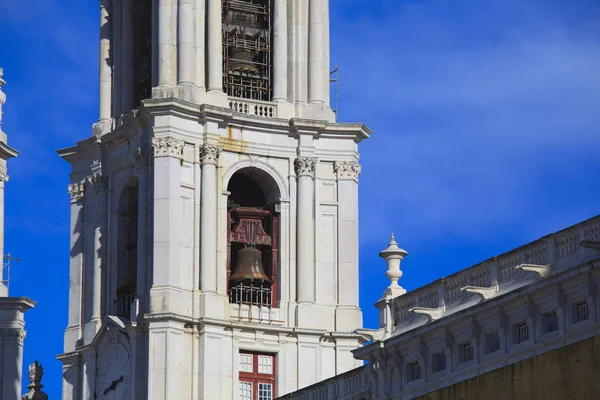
257,376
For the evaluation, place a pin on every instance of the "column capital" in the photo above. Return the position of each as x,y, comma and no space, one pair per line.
347,169
305,166
209,153
13,335
3,176
76,191
98,182
168,146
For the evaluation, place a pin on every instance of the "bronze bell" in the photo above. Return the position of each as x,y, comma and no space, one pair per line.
241,60
249,266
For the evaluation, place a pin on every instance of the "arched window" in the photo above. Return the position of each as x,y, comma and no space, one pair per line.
253,238
127,245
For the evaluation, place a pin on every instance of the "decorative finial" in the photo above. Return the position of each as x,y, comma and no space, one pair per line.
36,371
393,255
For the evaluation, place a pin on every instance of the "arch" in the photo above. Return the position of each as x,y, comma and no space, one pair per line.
270,180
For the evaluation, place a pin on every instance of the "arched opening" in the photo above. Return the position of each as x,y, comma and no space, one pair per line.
127,246
253,238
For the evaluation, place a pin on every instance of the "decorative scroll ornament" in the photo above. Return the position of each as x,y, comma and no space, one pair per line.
305,166
3,176
346,169
36,371
13,336
209,153
168,147
76,192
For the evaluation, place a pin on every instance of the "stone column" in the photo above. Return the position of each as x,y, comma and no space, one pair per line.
200,24
89,375
100,185
168,152
128,86
186,47
142,254
74,326
12,361
280,52
104,109
167,61
3,179
305,225
209,156
326,54
215,46
315,52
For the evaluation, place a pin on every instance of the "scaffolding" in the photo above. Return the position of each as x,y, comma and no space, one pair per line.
247,50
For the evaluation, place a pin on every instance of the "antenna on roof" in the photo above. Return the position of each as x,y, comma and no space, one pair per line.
6,266
333,78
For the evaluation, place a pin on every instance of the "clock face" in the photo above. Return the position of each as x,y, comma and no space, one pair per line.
114,374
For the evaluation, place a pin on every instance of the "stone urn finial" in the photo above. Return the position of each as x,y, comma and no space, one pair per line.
36,371
393,255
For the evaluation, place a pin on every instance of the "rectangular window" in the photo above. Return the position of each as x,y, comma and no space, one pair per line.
413,371
265,364
245,390
492,343
256,376
549,322
466,352
438,362
246,363
582,312
265,391
523,333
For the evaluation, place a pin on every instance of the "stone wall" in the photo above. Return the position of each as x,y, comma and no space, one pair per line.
570,372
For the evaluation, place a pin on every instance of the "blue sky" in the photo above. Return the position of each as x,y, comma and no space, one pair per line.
486,120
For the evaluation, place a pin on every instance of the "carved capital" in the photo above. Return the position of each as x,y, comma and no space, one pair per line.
13,335
209,153
98,182
3,176
305,166
168,147
347,169
76,191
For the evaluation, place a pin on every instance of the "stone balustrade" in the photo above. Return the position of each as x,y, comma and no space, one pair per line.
551,254
253,107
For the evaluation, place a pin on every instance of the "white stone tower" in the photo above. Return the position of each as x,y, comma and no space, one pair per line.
214,210
12,309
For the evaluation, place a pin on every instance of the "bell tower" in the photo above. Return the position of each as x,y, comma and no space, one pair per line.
214,208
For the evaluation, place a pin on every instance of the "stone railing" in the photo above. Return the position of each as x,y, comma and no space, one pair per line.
253,107
549,255
347,386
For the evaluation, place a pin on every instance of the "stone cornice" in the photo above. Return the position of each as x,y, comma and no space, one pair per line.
346,170
168,146
305,166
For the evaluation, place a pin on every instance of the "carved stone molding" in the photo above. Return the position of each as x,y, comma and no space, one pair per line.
305,166
13,335
347,169
76,191
209,153
168,147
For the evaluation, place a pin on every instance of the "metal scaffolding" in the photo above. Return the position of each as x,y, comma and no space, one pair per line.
247,50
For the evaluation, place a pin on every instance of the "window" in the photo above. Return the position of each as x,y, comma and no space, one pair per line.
582,312
549,322
492,342
257,376
466,352
521,333
438,362
413,371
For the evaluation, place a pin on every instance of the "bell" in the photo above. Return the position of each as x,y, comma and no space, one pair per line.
241,60
248,266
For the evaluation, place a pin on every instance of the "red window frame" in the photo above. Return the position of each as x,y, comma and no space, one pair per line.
255,377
